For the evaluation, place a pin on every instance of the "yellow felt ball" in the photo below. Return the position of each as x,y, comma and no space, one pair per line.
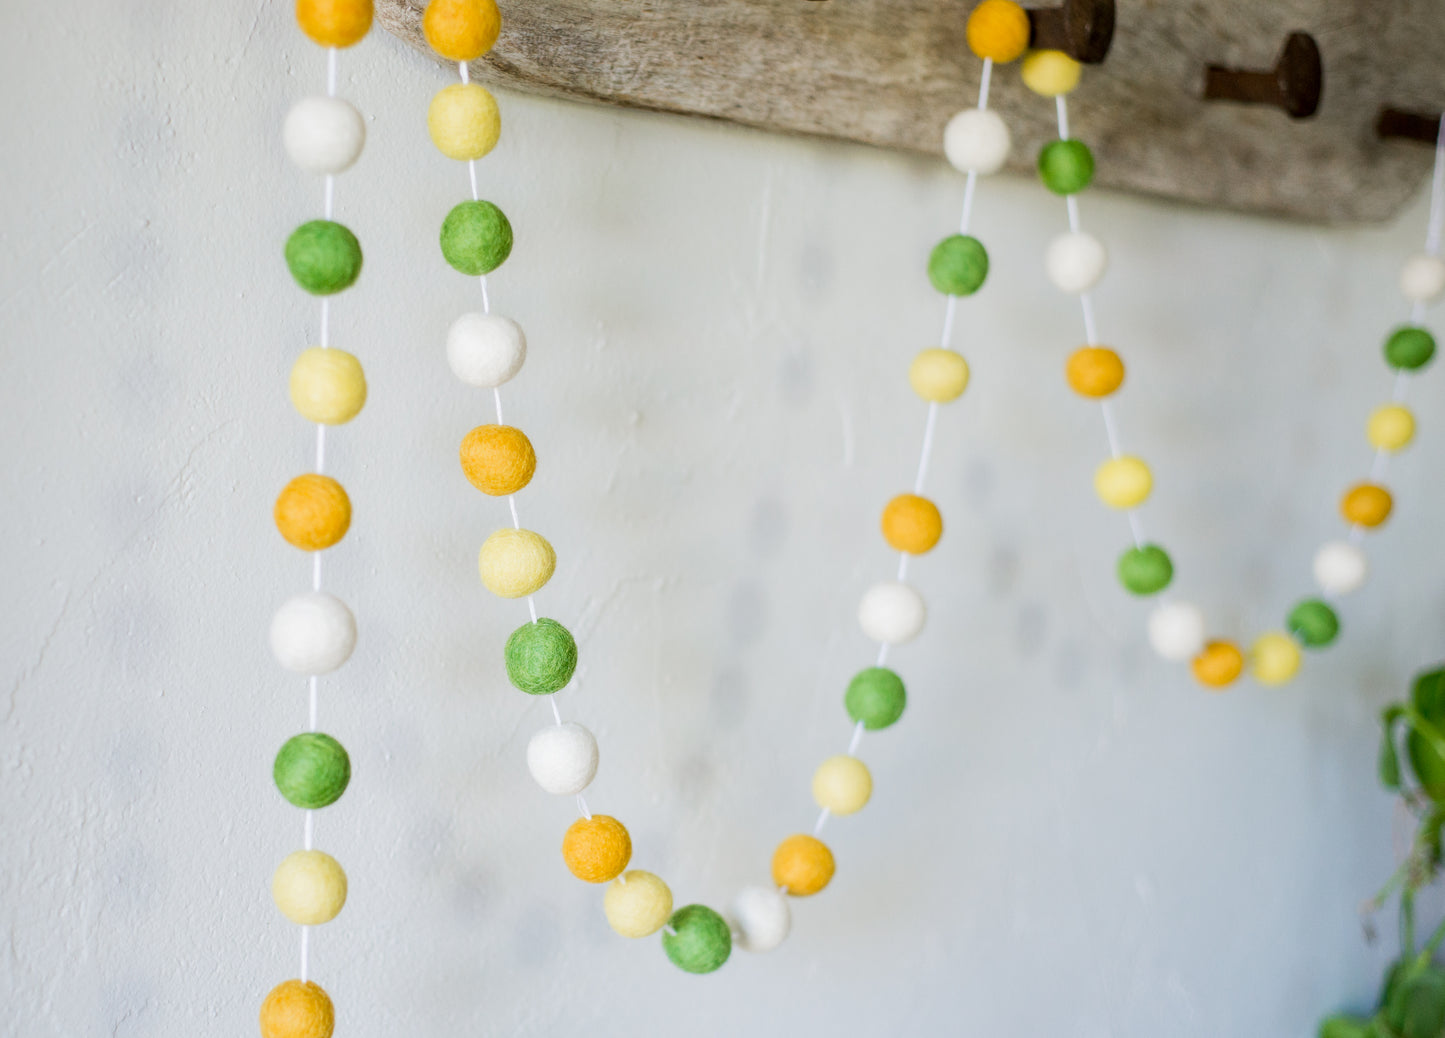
803,865
1050,73
596,849
1390,427
516,563
1366,504
464,121
498,459
309,887
637,903
313,512
297,1009
1274,658
327,386
938,375
334,23
998,30
1094,371
912,524
1218,665
461,30
1123,482
842,784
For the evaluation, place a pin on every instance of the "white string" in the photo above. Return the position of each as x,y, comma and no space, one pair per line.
1063,112
552,702
1437,194
582,807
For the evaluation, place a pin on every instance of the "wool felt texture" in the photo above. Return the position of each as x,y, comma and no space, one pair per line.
1409,348
485,350
515,563
977,140
476,238
334,23
1219,665
761,919
309,887
312,633
803,864
1340,567
297,1009
1075,261
892,612
327,386
323,135
541,657
563,758
1274,659
1123,482
875,697
1066,167
313,512
998,30
596,849
700,942
637,903
1422,278
324,257
461,30
1145,570
311,770
958,265
912,524
1366,504
842,785
1094,371
938,375
1390,428
498,459
464,121
1176,631
1314,623
1050,73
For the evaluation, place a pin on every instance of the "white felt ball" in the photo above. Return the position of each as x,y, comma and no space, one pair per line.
1176,630
323,134
485,350
976,140
891,612
563,758
1422,278
1340,568
313,633
1075,261
761,918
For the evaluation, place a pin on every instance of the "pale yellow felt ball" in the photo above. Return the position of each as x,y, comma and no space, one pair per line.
842,784
1274,658
637,903
309,887
1123,482
938,375
464,121
1050,73
327,386
516,563
1390,427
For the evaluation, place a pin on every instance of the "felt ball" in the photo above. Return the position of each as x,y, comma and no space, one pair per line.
1094,371
1145,570
976,140
323,135
1391,427
323,256
334,23
842,785
891,612
596,849
1422,278
563,758
297,1009
485,350
958,265
312,633
761,919
1076,261
312,512
516,563
1176,631
912,524
938,375
700,941
1366,504
875,697
1066,167
1340,567
541,657
803,865
637,903
461,30
311,770
1274,659
327,386
1409,348
998,30
498,459
464,121
1218,665
1050,73
309,887
476,238
1123,482
1314,623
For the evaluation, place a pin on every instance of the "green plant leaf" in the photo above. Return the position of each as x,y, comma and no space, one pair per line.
1427,693
1424,1005
1343,1026
1389,759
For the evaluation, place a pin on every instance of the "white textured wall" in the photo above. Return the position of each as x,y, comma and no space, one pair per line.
1068,837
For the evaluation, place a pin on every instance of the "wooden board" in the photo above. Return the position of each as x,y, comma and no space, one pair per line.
890,73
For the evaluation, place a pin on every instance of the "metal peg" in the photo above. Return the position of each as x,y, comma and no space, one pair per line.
1293,85
1082,29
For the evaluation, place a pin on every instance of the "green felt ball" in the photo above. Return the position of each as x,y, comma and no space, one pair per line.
875,696
1313,623
1409,348
701,940
1143,571
958,265
1066,167
312,770
324,257
476,238
541,657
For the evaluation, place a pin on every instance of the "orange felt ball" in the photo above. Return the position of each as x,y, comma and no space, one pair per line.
461,30
1366,504
334,23
597,849
803,865
498,459
998,29
313,512
1219,664
1094,371
912,524
297,1009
